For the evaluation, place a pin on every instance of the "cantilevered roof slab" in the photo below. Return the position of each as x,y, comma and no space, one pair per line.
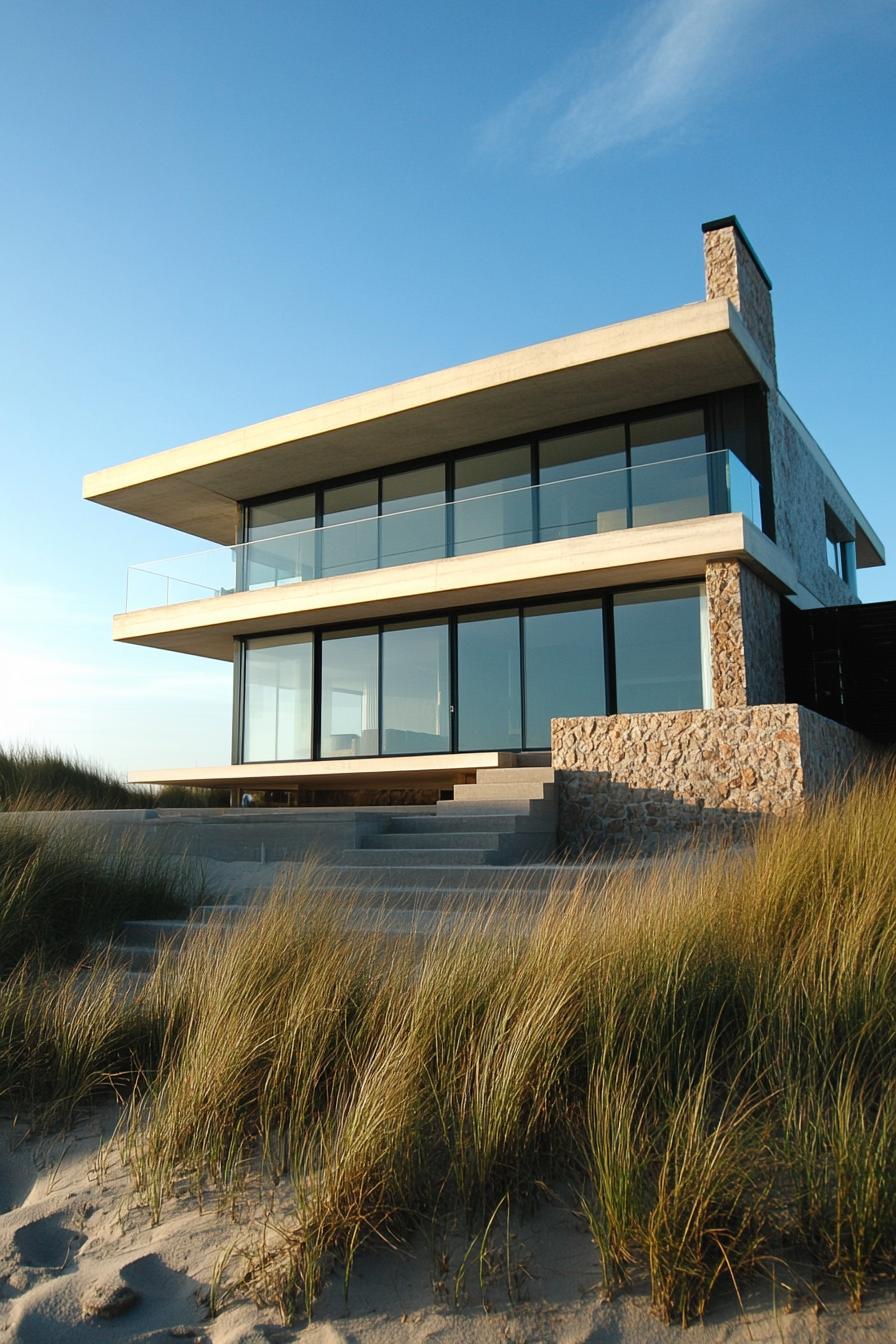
689,351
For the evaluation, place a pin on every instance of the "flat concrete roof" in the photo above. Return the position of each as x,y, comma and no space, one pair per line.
652,554
702,347
345,772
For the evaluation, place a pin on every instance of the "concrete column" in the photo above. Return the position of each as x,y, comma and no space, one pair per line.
733,271
746,647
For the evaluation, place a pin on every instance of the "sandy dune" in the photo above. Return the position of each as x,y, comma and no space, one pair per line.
79,1262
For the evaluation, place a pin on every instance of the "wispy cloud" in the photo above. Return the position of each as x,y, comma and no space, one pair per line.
648,76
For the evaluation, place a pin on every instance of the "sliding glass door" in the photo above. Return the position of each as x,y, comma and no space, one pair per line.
277,698
349,694
416,688
563,662
489,691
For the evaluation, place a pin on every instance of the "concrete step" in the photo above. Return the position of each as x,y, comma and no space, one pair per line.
493,807
508,846
413,858
443,839
477,820
438,886
518,774
509,792
152,932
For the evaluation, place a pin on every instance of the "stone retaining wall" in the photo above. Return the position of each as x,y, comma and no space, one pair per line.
648,780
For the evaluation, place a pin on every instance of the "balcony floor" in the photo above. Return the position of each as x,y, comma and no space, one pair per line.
346,772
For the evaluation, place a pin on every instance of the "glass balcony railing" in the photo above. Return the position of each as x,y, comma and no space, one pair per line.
667,491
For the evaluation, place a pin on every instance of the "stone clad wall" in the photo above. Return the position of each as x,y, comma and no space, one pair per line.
801,490
746,648
731,273
648,780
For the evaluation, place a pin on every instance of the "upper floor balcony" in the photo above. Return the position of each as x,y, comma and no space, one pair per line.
693,486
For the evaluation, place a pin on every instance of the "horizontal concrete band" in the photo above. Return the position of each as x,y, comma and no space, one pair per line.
640,555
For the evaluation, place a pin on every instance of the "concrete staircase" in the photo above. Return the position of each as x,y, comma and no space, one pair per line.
509,816
412,865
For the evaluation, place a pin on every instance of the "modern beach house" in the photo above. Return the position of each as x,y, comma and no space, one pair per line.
578,564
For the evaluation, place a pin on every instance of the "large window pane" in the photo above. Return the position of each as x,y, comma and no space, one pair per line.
583,483
488,682
487,517
416,696
281,537
277,698
349,712
349,538
661,649
669,468
564,666
414,516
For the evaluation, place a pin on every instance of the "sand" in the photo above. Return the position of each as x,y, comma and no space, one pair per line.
80,1261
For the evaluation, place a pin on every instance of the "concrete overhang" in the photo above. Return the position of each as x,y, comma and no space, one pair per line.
344,773
640,555
700,348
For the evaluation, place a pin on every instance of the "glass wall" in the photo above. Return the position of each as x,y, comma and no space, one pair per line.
486,518
416,688
569,506
563,660
277,698
349,550
679,488
284,549
350,702
554,484
412,528
662,655
488,681
481,681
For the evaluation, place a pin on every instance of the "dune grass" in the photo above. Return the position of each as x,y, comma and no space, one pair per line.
697,1057
36,780
61,888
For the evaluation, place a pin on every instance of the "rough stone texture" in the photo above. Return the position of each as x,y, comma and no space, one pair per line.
801,490
731,273
745,637
648,780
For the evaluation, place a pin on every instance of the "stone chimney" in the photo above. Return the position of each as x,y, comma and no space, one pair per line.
733,271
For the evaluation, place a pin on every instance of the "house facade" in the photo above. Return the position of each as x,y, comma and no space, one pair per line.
583,548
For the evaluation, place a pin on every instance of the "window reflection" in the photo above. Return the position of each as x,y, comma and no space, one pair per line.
485,517
672,484
413,523
282,537
569,506
416,689
277,692
349,712
661,649
563,647
488,681
351,546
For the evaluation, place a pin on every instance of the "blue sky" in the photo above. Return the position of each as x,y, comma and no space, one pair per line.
216,212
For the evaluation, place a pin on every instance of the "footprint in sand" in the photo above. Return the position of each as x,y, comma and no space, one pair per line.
47,1243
